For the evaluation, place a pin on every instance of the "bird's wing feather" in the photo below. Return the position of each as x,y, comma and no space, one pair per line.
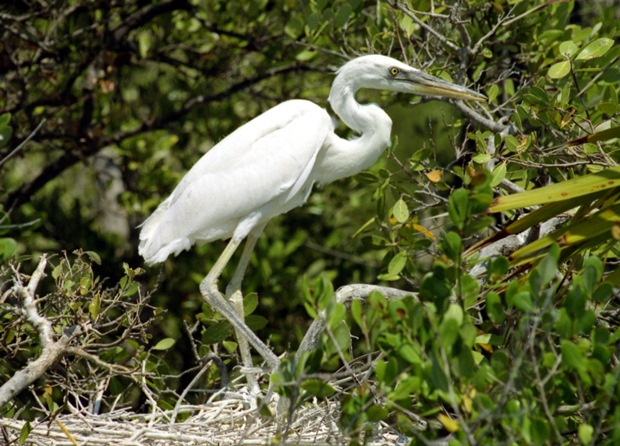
263,168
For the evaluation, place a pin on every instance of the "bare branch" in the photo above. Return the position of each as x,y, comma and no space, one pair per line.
424,25
23,143
51,349
345,295
481,120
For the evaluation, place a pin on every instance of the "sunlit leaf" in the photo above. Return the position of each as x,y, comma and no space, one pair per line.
559,70
397,263
8,246
164,344
585,433
568,48
576,187
450,424
400,211
434,175
595,49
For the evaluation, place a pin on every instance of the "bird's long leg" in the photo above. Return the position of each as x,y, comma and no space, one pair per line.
211,293
235,297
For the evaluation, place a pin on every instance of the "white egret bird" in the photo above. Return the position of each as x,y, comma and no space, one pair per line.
268,167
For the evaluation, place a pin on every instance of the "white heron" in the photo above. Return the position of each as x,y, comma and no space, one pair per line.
268,167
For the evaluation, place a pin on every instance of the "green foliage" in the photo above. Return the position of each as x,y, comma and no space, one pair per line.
534,353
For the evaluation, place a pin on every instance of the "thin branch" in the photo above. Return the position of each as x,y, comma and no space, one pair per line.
532,11
428,28
476,117
23,143
51,349
345,295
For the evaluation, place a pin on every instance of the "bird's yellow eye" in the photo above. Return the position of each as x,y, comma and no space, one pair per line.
394,71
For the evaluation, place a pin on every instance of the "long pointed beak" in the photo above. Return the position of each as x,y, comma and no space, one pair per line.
426,84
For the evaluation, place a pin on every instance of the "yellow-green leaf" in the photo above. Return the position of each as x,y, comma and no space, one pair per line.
400,211
587,184
568,48
164,344
595,49
577,235
450,424
559,70
498,174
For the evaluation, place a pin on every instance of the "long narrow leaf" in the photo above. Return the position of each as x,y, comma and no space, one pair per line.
577,187
544,213
596,226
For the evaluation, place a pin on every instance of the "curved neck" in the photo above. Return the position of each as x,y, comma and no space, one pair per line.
344,157
360,117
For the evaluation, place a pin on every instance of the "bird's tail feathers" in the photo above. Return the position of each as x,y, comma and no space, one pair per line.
153,244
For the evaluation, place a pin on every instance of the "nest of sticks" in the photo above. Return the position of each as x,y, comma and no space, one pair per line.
228,421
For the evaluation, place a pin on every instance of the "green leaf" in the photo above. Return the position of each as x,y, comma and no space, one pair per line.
8,246
5,118
216,333
306,55
342,336
458,205
464,363
408,353
24,432
572,356
250,302
451,246
455,313
336,315
94,306
568,48
94,257
256,322
357,313
400,211
397,263
481,158
539,429
318,388
164,344
405,387
585,432
521,300
492,92
387,372
498,267
559,70
494,308
548,267
562,191
6,133
595,49
438,377
498,174
376,413
132,289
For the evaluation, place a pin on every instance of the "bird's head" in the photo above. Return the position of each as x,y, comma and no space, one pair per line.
384,73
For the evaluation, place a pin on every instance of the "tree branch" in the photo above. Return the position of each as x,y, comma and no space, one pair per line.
51,349
345,295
